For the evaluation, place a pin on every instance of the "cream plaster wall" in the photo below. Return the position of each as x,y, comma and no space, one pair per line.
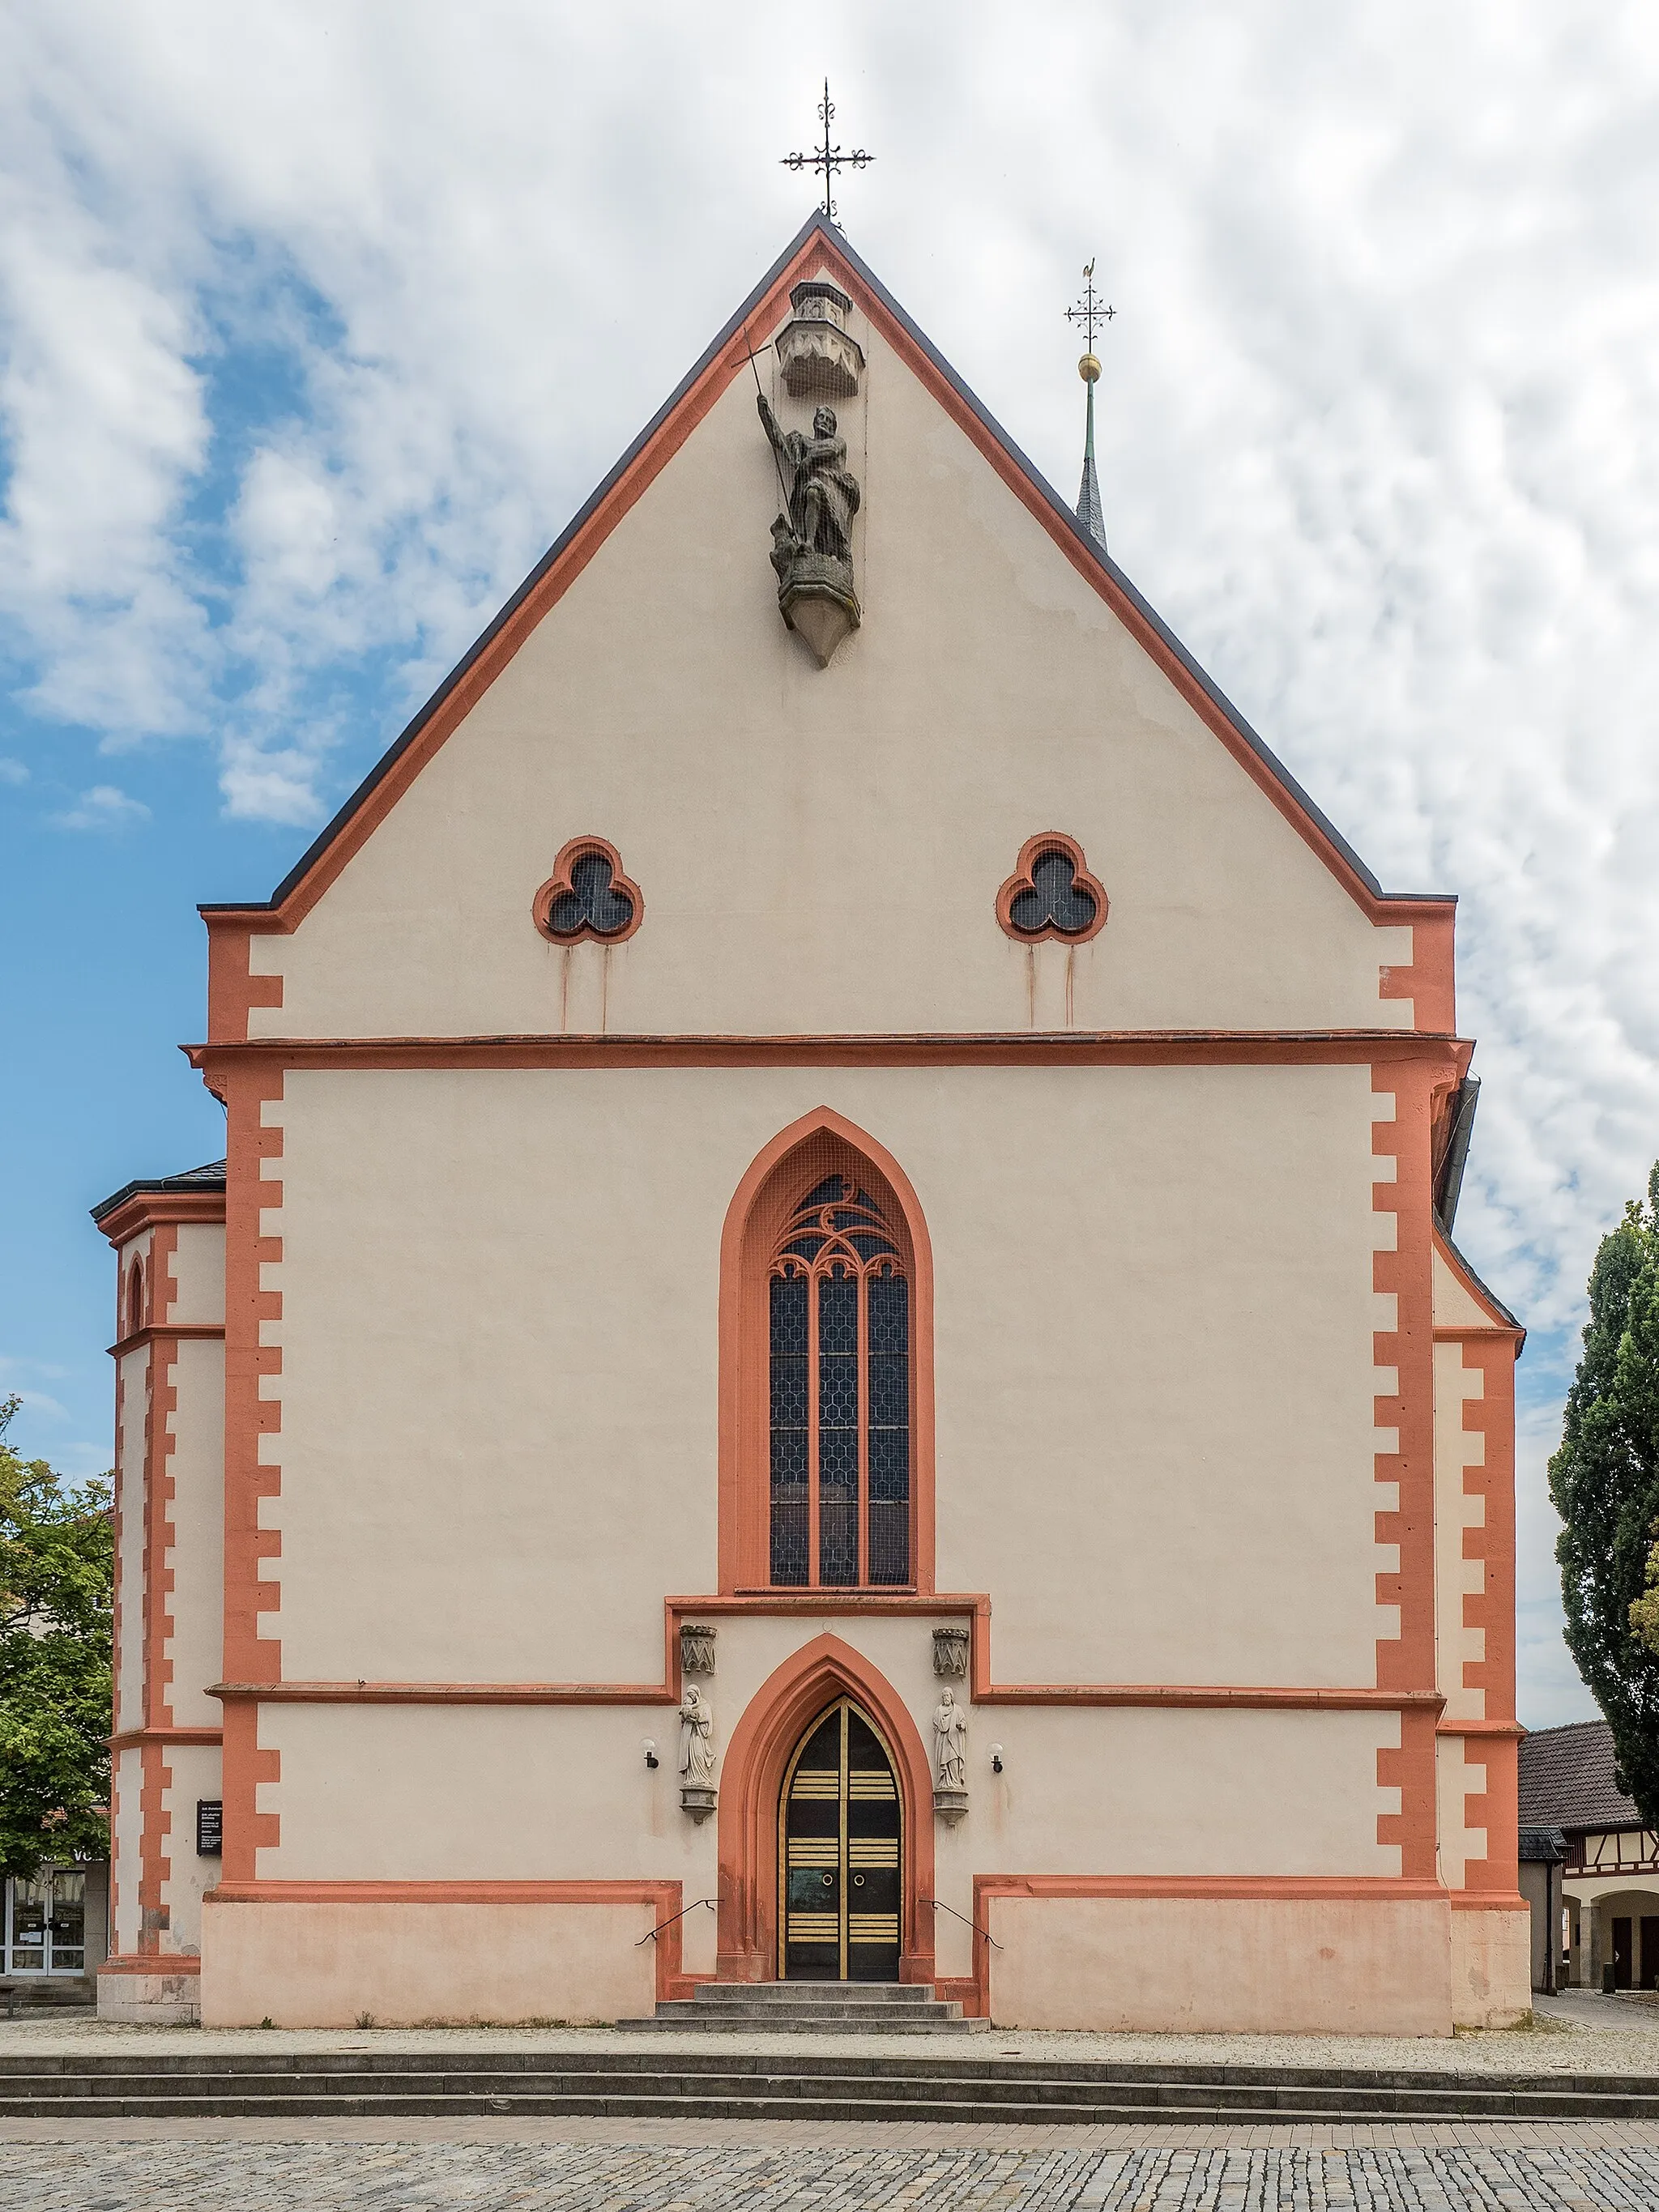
195,1769
491,1793
821,850
197,1558
1455,1450
323,1966
1458,1776
1455,1307
199,1273
126,1830
1153,1359
133,1402
1218,1965
1600,1889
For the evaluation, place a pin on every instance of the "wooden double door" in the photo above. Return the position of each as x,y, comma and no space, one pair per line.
840,1854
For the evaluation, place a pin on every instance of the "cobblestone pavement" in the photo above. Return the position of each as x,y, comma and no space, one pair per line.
1566,2174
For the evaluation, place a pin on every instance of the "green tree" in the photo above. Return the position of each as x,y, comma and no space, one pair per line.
1604,1480
56,1576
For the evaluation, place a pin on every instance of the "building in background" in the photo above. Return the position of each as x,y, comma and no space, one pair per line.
831,1348
54,1933
1610,1878
1543,1853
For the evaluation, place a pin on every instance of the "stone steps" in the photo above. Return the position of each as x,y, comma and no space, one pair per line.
809,2007
645,2083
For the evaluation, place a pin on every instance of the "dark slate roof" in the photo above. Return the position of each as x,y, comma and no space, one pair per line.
1567,1780
210,1177
1542,1847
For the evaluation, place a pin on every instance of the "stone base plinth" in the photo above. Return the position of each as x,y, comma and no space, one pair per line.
155,1992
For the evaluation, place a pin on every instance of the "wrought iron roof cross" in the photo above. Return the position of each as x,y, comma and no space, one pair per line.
828,158
1089,310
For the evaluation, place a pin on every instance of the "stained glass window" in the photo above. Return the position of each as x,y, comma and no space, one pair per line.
791,1552
840,1394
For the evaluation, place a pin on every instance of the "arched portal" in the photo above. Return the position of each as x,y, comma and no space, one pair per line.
755,1769
840,1853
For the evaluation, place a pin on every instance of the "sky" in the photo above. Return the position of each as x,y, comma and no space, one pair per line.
318,321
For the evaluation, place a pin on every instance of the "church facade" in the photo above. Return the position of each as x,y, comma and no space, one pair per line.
828,1345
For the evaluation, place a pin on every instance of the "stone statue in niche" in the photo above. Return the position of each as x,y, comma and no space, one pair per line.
696,1754
949,1757
949,1742
812,538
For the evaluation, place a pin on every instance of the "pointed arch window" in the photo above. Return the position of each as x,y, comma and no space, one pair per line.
838,1310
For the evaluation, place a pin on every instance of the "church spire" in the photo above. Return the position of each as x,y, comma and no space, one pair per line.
1088,498
1089,311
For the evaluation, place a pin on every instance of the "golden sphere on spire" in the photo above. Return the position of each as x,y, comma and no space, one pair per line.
1089,370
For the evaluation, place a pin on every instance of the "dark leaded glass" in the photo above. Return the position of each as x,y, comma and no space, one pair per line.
889,1429
591,902
869,1243
1054,897
790,1493
838,1429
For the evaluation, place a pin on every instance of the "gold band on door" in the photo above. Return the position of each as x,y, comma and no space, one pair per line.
840,1854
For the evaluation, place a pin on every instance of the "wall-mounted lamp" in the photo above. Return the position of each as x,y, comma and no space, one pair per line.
649,1746
996,1759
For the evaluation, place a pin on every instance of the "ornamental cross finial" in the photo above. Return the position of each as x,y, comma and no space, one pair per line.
1090,309
828,158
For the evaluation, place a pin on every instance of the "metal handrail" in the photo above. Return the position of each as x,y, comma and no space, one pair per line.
939,1905
652,1934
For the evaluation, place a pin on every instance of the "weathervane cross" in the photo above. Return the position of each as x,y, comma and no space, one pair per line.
828,158
1090,309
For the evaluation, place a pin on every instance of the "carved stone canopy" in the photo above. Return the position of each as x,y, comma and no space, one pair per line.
950,1653
821,358
697,1649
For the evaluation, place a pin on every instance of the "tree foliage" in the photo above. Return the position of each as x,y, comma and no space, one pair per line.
1604,1480
56,1575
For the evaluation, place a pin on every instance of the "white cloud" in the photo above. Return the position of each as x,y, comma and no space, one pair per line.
13,771
322,321
104,807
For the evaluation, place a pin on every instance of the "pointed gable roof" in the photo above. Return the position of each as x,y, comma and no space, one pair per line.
816,249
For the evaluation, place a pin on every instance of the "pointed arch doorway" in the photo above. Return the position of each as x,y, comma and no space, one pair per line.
840,1853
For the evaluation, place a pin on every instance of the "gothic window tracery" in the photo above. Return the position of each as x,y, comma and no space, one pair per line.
1051,893
839,1302
588,898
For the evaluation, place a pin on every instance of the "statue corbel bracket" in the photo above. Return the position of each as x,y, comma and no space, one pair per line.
820,606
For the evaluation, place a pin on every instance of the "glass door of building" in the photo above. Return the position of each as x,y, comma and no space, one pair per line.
46,1921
